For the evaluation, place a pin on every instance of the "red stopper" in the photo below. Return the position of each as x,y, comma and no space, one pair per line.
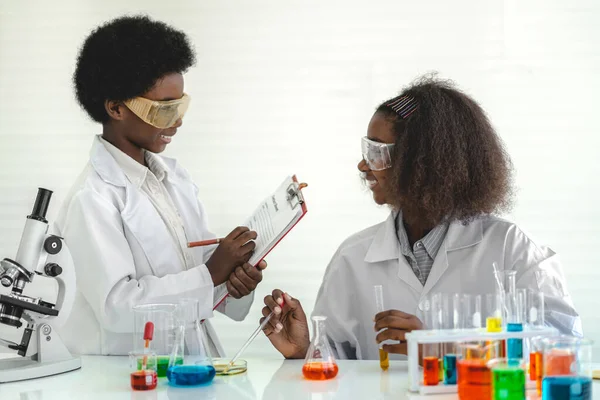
148,331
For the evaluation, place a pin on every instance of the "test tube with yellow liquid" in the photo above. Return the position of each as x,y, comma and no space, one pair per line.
384,358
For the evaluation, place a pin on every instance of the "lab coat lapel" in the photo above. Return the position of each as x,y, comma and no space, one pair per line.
459,236
386,247
138,213
440,265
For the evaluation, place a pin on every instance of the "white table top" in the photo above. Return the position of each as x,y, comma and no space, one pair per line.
108,378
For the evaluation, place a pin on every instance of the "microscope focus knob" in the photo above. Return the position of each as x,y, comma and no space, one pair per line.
53,269
52,245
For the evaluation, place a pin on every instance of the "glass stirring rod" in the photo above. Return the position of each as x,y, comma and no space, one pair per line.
252,337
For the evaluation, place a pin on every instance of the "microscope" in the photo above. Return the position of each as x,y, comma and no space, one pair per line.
41,351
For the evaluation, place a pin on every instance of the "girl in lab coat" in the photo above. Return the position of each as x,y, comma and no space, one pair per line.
131,212
432,155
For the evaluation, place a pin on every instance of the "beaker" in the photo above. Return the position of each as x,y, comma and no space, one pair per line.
190,363
508,379
474,375
165,326
567,365
319,363
143,374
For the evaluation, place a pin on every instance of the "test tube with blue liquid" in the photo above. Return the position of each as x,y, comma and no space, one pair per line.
516,314
567,365
452,320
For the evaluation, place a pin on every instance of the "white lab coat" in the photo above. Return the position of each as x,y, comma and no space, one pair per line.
124,255
462,265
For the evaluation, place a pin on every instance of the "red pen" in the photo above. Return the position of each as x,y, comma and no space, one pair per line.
205,242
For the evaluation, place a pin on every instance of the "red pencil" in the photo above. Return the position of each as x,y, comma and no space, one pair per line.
205,242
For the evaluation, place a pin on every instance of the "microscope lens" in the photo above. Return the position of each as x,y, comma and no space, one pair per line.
10,315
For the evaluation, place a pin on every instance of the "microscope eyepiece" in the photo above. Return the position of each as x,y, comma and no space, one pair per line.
42,201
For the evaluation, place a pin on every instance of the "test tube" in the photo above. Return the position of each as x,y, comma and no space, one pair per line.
437,323
514,347
536,369
431,353
466,311
493,312
535,306
477,312
511,281
508,379
567,364
384,358
454,304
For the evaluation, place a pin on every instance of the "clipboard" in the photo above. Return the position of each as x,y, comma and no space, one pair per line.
282,220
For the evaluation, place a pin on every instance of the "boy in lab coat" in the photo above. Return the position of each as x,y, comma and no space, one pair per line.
131,212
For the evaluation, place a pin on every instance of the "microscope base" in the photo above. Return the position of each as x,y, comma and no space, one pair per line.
20,369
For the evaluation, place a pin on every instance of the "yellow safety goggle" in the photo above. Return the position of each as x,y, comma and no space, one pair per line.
161,114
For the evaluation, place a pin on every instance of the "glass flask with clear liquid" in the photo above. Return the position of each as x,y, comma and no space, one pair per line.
319,363
190,363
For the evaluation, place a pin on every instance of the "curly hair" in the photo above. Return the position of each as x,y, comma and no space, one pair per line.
124,58
449,163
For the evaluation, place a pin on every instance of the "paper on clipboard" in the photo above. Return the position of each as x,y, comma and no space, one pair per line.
272,220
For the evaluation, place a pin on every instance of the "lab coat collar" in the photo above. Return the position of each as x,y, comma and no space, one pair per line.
385,245
109,170
460,235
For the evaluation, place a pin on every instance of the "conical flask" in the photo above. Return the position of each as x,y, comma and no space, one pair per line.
190,363
319,363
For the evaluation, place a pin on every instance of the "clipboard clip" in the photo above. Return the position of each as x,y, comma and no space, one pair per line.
294,194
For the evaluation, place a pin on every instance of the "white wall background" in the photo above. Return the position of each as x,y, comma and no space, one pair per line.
289,86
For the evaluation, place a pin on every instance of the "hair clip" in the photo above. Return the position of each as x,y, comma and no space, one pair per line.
404,106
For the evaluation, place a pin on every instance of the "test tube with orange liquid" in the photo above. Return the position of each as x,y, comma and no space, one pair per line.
384,358
535,319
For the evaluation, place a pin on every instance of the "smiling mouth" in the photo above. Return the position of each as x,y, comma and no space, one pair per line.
166,139
369,180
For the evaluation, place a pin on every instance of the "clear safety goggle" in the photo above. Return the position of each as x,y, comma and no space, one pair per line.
377,155
161,114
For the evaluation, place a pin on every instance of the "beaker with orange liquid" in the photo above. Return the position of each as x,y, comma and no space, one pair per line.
474,375
319,363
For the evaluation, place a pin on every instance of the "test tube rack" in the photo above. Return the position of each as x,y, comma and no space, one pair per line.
414,338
